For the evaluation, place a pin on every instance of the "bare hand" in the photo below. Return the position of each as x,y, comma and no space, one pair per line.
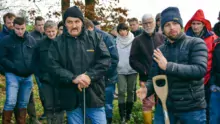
142,83
160,59
142,92
79,87
85,78
76,80
82,80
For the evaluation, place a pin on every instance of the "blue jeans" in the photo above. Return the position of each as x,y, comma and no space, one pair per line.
109,97
18,90
96,115
214,108
193,117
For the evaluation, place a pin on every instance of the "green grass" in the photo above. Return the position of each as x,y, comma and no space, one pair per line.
137,117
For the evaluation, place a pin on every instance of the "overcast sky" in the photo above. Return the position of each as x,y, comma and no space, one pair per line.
137,8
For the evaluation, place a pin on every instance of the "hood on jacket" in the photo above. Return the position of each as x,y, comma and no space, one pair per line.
26,34
198,16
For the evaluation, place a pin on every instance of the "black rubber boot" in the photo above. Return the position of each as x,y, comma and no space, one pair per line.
129,106
122,112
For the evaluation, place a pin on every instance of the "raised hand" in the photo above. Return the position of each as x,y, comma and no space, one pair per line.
160,59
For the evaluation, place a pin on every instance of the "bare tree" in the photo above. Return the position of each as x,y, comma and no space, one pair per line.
108,14
90,9
65,4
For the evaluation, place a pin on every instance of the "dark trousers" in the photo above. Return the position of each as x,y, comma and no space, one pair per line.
31,105
51,98
52,104
207,97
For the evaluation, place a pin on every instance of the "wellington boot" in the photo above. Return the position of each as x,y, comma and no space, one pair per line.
147,117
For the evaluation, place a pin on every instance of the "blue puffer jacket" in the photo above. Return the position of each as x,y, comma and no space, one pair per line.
112,75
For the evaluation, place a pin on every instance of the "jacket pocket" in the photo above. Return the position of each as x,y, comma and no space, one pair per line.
30,48
90,52
68,98
191,90
14,48
197,93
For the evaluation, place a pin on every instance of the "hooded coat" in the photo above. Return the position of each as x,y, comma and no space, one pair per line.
208,36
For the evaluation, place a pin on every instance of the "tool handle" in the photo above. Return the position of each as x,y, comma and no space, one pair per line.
166,116
160,77
162,92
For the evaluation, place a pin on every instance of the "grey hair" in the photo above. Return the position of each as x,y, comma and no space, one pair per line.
49,24
147,16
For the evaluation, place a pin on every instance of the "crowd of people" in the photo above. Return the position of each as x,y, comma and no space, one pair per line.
77,66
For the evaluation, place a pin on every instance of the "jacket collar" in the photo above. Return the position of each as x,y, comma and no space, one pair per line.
20,38
206,33
181,37
146,34
6,30
137,31
38,33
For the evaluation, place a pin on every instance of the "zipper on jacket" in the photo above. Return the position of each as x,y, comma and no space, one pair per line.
81,56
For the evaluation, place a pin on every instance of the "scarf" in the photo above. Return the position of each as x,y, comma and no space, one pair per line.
124,41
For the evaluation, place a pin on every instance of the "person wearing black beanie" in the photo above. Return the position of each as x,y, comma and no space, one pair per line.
79,59
73,12
183,61
73,20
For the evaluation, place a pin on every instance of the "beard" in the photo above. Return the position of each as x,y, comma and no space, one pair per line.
174,38
149,31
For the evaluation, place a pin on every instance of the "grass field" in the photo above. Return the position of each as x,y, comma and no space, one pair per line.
137,117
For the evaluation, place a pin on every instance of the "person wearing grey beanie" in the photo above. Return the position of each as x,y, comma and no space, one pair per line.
183,60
